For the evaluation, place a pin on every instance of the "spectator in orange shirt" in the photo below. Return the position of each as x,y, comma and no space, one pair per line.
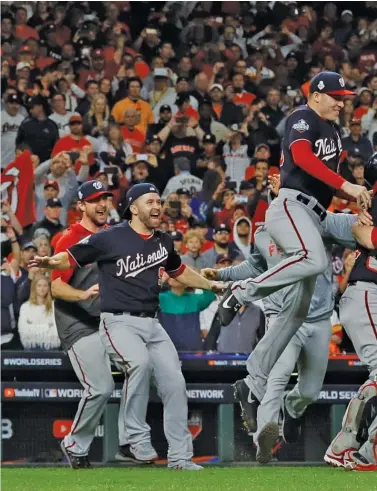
241,97
336,335
132,135
23,31
74,142
134,101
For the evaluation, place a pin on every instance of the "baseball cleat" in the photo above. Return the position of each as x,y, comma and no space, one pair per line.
267,439
75,461
291,426
338,459
248,403
184,465
358,462
143,454
228,307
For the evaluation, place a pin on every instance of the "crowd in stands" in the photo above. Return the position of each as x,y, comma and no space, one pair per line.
190,96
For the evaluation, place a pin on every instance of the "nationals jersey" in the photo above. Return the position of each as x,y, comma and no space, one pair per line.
324,137
130,266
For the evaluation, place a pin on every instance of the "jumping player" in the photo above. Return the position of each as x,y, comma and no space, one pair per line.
355,446
132,258
311,153
308,347
77,313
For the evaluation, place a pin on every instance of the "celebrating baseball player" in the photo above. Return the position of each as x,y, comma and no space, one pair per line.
355,446
132,258
310,158
308,347
77,311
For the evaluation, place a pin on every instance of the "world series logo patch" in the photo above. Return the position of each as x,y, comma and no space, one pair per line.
301,126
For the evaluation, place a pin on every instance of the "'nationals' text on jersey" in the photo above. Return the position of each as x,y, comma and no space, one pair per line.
130,266
324,137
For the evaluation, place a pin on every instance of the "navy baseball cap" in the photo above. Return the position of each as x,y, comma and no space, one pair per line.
330,83
165,107
91,190
209,138
222,227
176,235
135,192
54,203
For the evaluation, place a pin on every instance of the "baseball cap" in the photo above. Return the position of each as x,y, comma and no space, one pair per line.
75,118
54,203
161,72
51,183
223,259
245,185
184,191
24,49
221,228
152,139
97,53
355,121
346,12
28,245
165,107
50,27
262,145
13,99
91,190
209,138
217,86
22,64
36,100
331,83
364,89
182,79
136,192
176,235
182,98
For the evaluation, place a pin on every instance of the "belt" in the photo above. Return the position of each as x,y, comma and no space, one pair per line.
151,315
321,212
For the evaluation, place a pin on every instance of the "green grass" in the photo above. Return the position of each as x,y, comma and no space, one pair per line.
216,479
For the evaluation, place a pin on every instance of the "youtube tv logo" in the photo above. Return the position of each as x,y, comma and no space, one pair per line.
61,427
9,392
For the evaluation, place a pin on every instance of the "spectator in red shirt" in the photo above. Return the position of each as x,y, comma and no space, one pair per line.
75,142
132,135
23,31
365,102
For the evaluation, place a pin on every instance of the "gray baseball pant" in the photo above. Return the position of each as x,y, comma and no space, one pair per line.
309,347
92,366
296,230
358,315
142,349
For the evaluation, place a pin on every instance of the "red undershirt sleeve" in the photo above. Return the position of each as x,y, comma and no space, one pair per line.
374,237
304,158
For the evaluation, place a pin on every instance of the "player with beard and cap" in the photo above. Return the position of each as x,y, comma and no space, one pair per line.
132,258
77,312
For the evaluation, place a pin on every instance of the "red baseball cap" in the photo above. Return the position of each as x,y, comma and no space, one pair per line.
98,53
51,183
75,118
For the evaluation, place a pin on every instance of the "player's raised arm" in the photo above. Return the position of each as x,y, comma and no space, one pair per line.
366,236
60,261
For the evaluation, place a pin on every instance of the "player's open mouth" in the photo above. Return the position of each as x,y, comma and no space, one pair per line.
155,215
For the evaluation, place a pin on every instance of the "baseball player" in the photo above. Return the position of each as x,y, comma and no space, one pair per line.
77,311
355,446
309,346
132,258
310,158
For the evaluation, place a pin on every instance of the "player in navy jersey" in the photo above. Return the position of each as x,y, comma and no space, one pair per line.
310,158
132,258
